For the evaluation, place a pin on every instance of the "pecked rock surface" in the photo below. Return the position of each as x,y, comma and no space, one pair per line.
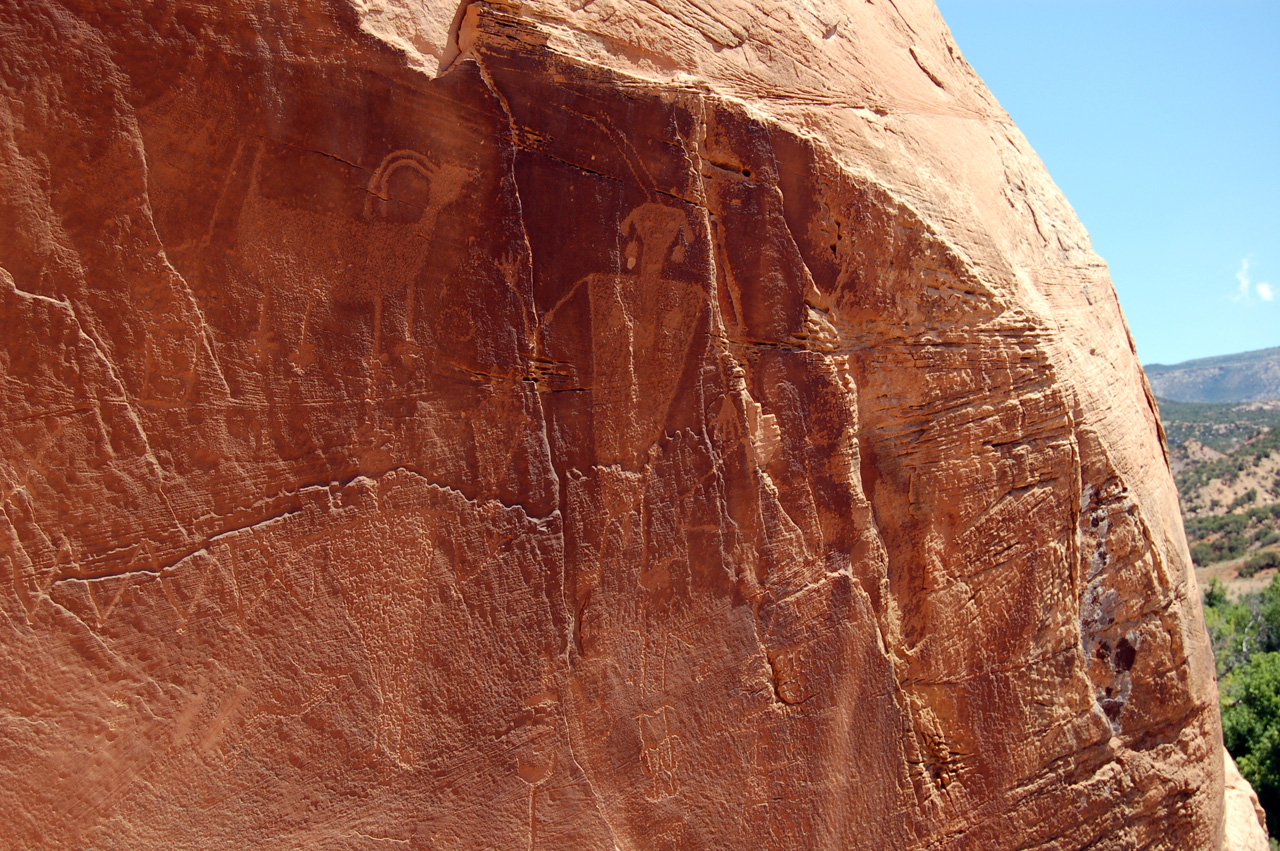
606,425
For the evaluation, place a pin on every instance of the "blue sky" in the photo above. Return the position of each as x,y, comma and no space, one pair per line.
1160,121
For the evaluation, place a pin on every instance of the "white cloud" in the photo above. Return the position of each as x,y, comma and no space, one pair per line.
1247,287
1243,277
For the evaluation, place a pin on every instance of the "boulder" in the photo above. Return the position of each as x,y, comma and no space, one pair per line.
577,425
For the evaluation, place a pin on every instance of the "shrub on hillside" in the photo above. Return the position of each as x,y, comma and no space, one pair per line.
1244,498
1230,546
1262,512
1260,561
1203,526
1202,554
1223,548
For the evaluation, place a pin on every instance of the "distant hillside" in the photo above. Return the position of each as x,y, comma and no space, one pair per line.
1246,377
1223,427
1226,463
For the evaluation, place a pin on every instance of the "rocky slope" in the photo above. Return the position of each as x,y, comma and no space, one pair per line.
1226,465
569,425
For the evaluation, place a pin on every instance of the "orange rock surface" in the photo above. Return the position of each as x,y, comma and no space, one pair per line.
574,425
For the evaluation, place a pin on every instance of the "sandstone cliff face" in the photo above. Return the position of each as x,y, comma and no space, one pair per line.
557,425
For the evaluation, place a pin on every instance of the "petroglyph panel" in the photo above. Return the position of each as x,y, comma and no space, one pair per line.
654,429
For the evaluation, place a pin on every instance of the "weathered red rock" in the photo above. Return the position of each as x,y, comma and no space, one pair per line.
642,425
1244,820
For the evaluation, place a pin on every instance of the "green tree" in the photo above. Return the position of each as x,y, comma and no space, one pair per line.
1235,629
1251,727
1267,607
